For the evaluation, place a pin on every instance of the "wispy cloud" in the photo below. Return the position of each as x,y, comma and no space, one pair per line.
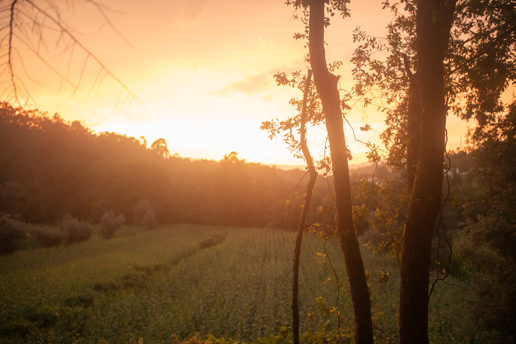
249,85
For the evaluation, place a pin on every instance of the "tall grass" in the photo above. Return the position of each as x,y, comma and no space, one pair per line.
157,284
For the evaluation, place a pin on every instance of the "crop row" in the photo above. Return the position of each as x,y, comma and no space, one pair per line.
179,280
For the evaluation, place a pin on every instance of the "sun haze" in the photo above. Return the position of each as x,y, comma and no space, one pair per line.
203,72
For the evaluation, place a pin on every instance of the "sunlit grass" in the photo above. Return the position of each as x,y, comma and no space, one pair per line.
153,285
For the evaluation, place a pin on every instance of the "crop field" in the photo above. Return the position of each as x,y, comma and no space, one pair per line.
167,284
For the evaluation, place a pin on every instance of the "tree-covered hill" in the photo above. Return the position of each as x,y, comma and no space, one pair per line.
50,167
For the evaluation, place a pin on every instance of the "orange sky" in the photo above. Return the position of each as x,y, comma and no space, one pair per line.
203,69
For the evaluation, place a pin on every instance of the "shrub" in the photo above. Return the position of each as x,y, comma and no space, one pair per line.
75,231
43,316
11,234
372,239
81,300
149,220
140,210
109,223
46,236
489,257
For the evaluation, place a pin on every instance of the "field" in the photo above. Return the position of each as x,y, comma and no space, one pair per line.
233,283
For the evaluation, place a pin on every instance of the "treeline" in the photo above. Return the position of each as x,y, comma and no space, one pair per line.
51,167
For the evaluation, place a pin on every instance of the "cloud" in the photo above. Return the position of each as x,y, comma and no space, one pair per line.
249,85
190,13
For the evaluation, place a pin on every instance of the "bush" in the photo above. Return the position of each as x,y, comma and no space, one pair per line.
372,239
149,220
140,210
46,236
488,255
75,231
11,234
109,223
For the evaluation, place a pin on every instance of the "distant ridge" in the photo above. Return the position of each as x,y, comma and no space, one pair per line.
302,167
288,167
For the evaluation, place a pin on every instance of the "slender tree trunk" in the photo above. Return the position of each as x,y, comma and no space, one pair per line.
302,221
433,23
326,84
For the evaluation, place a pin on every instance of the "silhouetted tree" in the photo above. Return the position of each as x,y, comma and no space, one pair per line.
160,147
109,223
326,84
434,19
325,106
490,228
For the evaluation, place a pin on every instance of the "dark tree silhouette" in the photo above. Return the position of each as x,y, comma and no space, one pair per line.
326,84
434,19
304,213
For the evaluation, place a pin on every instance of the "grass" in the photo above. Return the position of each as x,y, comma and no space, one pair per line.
184,279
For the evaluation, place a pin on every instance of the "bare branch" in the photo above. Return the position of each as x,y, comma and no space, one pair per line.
28,25
9,61
101,8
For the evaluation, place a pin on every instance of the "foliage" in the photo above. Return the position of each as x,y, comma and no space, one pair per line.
52,167
291,126
11,234
382,203
490,227
109,223
144,214
488,257
75,231
46,236
482,43
140,210
149,220
160,148
11,198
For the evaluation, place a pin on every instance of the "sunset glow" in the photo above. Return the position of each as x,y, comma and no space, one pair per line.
203,72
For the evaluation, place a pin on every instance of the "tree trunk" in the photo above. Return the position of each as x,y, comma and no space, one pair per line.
326,84
302,221
433,23
413,125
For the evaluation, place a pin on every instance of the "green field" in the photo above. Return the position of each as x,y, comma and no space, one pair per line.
155,287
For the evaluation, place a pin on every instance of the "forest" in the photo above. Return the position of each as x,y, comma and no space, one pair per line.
53,168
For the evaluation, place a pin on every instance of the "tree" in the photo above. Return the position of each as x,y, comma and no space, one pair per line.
434,19
490,228
302,221
30,27
160,147
452,46
325,106
140,210
109,223
149,220
11,234
326,84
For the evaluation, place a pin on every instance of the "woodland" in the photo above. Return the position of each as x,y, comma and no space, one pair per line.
52,168
438,213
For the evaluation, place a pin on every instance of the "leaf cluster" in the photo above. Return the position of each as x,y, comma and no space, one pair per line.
291,127
482,44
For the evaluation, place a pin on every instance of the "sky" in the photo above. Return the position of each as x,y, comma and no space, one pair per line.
202,72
